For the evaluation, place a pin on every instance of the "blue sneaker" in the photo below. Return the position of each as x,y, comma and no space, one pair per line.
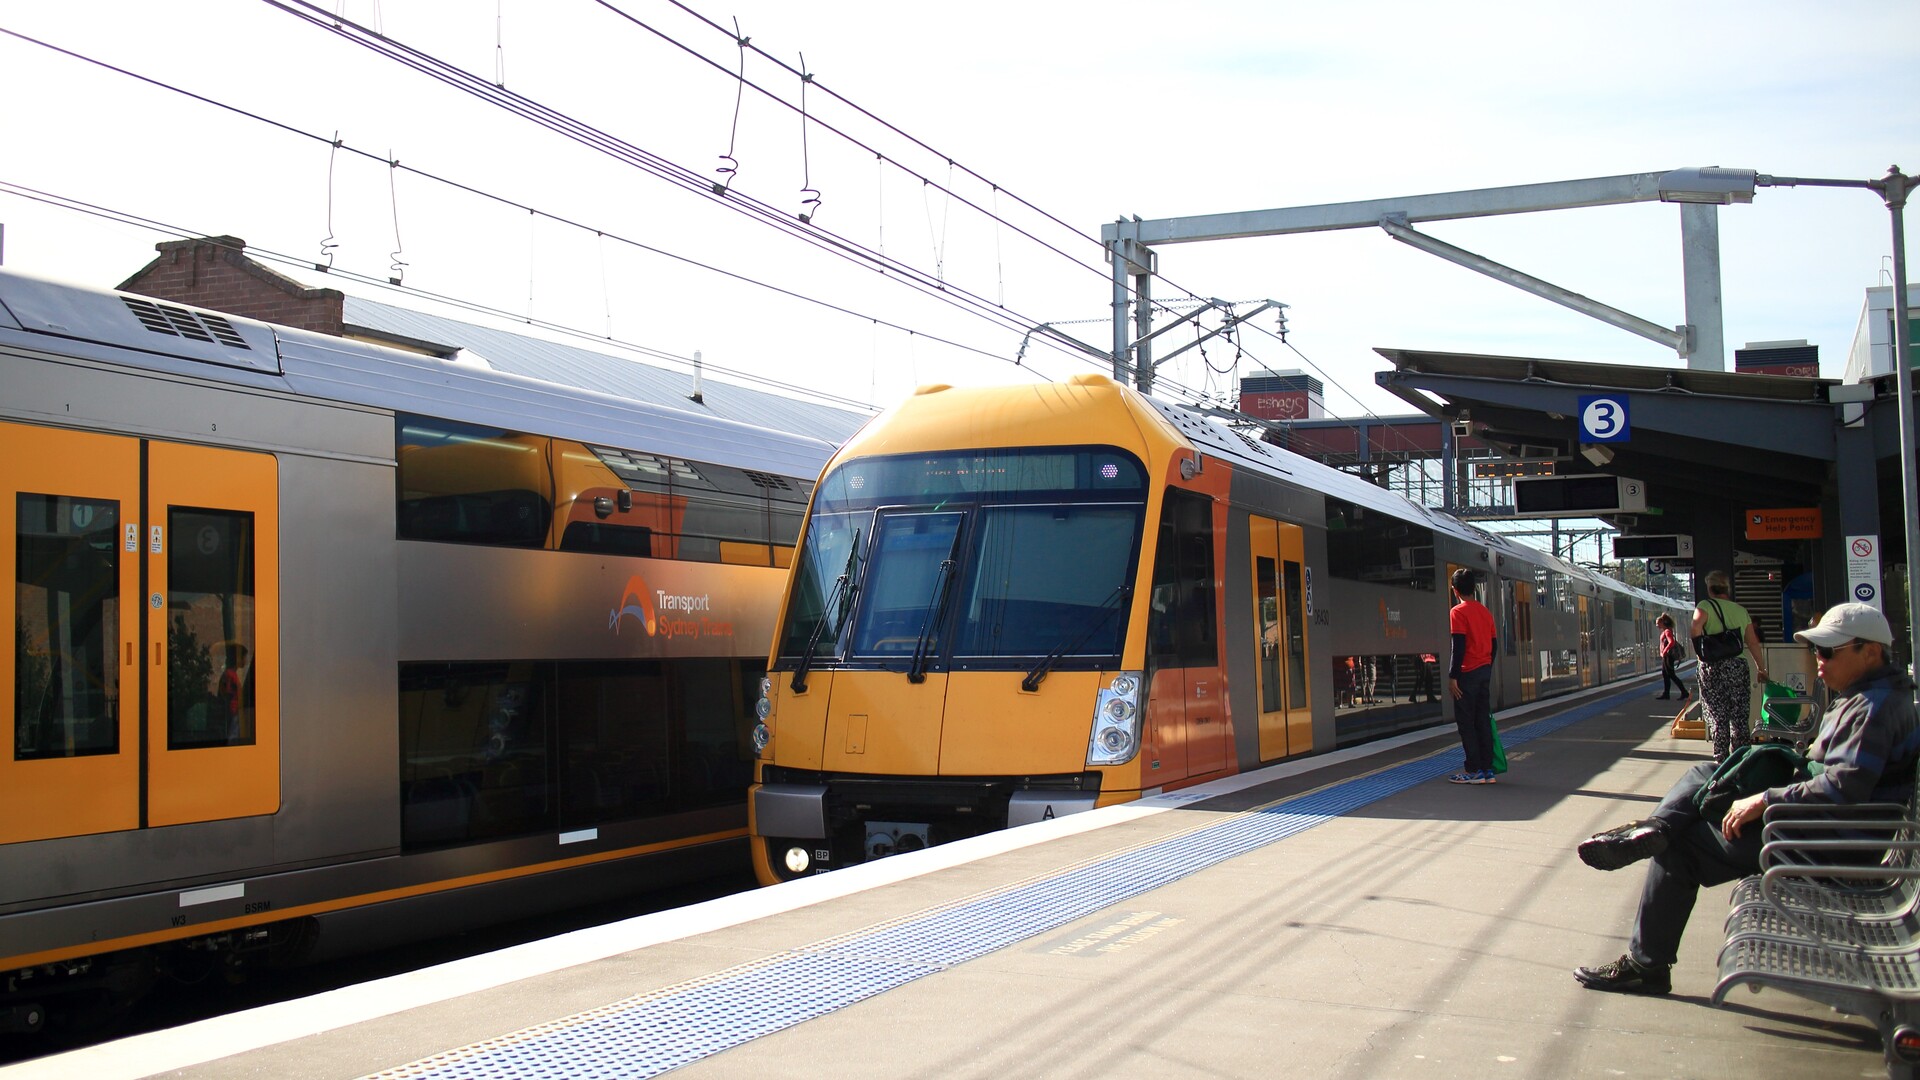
1464,778
1484,776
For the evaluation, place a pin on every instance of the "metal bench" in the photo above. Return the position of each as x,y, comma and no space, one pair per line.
1819,925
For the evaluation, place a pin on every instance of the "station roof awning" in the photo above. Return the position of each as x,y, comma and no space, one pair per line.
1756,440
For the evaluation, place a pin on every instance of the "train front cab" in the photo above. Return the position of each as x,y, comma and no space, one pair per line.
954,662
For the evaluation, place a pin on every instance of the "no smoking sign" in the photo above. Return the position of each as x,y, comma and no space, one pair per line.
1863,569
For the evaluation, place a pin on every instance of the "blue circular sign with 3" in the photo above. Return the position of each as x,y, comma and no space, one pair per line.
1603,419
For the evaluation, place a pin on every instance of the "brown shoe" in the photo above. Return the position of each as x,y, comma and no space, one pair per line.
1626,976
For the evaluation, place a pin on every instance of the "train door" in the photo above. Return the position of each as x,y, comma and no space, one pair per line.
213,731
1186,713
70,542
1286,722
121,721
1493,595
1588,639
1520,619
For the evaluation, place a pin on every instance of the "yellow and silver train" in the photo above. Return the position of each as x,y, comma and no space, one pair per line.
1016,603
313,645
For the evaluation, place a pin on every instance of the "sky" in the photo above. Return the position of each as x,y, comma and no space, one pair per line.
976,149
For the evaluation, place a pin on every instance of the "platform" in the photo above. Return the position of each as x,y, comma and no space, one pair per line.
1348,916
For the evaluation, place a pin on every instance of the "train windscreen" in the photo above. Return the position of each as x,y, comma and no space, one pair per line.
989,558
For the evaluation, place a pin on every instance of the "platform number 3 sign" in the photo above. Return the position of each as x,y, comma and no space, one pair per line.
1603,419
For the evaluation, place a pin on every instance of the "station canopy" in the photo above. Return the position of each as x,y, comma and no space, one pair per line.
1700,441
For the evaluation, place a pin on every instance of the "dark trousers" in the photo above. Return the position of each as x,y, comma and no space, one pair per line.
1669,677
1473,715
1696,856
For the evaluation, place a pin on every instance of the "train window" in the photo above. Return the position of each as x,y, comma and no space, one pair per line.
66,687
615,741
468,483
1047,578
983,475
715,700
473,752
1296,638
629,503
210,637
493,750
1373,546
911,567
1180,623
829,568
648,737
1266,584
728,505
1385,687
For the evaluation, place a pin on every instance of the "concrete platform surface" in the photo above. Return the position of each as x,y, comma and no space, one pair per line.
1428,933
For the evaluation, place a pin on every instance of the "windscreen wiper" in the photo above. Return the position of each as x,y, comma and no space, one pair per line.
936,609
844,589
1107,608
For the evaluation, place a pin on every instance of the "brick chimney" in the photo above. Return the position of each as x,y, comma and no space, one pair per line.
215,272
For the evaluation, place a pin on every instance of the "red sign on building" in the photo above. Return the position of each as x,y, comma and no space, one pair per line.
1275,405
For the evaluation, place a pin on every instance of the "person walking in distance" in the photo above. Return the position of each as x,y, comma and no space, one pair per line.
1726,686
1471,680
1669,656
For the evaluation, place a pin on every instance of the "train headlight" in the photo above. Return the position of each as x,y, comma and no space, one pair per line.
1116,722
797,860
763,712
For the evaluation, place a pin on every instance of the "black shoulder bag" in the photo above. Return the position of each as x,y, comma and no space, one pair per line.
1724,645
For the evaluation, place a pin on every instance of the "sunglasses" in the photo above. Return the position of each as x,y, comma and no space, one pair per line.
1825,652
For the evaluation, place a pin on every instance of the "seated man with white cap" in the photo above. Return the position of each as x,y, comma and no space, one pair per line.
1865,751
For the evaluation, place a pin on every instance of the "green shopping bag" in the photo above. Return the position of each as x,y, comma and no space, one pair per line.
1499,748
1782,706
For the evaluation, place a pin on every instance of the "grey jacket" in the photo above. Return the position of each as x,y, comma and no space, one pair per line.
1868,744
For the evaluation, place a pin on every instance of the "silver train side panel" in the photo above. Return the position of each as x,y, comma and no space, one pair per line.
338,584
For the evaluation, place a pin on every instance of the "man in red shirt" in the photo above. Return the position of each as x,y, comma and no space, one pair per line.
1471,679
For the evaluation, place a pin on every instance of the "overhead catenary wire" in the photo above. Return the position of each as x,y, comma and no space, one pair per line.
337,144
654,164
664,168
269,255
812,80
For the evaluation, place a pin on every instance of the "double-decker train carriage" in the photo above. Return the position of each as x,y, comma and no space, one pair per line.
314,644
1015,603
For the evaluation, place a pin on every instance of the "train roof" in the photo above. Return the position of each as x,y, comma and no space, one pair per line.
1216,437
136,331
622,377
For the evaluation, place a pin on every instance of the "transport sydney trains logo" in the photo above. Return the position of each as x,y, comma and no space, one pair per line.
665,614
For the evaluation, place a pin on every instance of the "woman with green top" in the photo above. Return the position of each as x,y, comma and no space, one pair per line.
1726,686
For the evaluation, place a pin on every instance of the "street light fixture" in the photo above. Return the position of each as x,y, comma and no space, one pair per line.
1893,189
1712,186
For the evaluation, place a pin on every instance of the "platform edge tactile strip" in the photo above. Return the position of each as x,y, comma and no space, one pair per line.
653,1033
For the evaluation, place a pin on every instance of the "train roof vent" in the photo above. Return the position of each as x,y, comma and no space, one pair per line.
768,480
179,322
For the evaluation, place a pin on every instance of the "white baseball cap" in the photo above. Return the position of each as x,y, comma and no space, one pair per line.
1847,622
